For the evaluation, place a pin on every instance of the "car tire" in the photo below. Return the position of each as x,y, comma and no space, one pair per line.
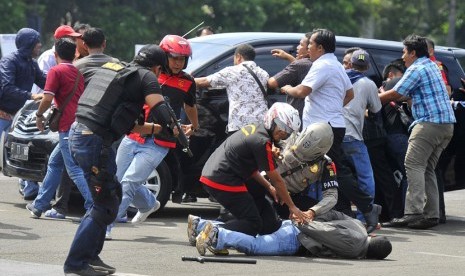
160,183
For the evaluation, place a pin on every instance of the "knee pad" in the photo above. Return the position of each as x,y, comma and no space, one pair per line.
105,212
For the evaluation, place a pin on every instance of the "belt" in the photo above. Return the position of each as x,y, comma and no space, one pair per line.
6,116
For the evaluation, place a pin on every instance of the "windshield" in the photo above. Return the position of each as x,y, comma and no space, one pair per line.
202,53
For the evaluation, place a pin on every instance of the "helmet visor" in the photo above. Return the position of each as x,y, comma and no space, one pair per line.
283,127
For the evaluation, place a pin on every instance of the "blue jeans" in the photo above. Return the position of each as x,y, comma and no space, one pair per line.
4,126
61,158
29,187
90,235
135,162
282,242
357,153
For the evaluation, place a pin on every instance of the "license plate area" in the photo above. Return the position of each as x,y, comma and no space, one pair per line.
19,151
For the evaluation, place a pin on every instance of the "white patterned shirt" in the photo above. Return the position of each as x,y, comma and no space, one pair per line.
246,101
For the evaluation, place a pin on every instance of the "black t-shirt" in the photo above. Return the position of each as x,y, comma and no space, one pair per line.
293,75
179,89
238,157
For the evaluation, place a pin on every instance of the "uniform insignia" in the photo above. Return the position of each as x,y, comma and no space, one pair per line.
314,168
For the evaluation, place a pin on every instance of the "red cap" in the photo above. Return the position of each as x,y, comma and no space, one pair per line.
65,30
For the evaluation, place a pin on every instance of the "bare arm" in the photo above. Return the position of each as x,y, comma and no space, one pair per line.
390,95
300,91
265,183
202,82
279,53
149,128
272,83
45,103
349,96
283,194
191,112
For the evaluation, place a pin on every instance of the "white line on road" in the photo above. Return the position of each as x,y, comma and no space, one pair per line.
442,255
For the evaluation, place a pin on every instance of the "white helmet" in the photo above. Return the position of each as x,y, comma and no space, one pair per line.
284,116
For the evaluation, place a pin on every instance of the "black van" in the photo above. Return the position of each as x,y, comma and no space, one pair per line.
27,150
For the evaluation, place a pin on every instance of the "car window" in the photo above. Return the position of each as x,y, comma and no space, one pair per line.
373,71
268,62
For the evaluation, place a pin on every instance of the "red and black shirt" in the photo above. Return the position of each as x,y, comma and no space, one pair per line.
236,159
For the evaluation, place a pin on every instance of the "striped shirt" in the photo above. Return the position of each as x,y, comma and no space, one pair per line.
423,83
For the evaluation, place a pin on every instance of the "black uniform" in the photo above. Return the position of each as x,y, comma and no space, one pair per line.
226,176
88,139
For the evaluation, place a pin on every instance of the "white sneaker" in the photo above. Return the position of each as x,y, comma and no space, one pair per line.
142,216
108,236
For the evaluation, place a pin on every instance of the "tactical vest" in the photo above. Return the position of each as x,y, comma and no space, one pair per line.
102,106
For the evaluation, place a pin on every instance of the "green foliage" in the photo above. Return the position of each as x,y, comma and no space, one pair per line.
146,21
13,16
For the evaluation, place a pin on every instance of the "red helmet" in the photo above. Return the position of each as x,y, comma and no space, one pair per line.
176,46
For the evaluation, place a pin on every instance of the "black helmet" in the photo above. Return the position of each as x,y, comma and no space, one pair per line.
378,248
151,55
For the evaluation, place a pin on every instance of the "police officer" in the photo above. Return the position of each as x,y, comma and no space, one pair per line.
108,109
239,159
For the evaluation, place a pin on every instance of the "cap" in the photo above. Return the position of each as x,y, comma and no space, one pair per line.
65,30
151,55
360,58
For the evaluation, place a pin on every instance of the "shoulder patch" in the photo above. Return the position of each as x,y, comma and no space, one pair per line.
113,66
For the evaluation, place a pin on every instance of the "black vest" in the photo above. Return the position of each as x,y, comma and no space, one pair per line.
102,106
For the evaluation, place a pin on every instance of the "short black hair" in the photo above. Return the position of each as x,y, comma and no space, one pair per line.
394,66
418,44
65,48
93,37
325,38
246,51
151,55
80,26
351,50
200,30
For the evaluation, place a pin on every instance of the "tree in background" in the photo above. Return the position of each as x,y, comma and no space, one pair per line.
146,21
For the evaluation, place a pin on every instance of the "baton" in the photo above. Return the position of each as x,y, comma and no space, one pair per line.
219,260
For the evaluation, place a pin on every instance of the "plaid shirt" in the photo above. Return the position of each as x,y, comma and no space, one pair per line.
423,83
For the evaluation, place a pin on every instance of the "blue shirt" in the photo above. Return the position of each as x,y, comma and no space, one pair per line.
423,83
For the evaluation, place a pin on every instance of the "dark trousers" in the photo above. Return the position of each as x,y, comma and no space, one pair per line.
348,186
388,193
63,194
90,235
253,213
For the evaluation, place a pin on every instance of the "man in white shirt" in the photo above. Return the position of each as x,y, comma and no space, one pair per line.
326,89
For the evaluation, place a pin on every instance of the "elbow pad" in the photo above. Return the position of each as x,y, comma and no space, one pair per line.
161,114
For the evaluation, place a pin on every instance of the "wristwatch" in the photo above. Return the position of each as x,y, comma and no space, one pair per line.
39,115
195,129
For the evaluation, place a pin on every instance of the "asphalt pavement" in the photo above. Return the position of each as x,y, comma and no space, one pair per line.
34,247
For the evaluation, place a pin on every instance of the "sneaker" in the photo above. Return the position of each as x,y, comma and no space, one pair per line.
142,216
36,213
108,236
99,265
54,214
88,271
192,223
207,239
372,218
123,219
